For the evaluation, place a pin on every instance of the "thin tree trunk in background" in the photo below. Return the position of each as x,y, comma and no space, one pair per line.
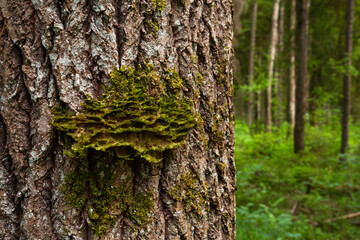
292,77
56,53
258,106
302,10
251,64
238,81
279,83
347,78
272,54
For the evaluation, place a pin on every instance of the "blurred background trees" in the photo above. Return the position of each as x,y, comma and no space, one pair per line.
297,106
266,47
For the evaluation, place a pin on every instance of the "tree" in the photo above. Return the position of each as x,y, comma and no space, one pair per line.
347,78
280,68
272,54
302,16
251,63
55,61
292,82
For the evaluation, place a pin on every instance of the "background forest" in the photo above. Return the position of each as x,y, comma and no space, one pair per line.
297,107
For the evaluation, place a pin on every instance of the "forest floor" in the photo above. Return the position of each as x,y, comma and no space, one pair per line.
282,195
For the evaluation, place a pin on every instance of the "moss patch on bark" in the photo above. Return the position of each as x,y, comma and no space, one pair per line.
192,194
140,116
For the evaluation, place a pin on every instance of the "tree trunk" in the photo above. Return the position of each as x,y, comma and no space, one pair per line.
272,54
62,52
251,64
279,83
292,82
238,81
347,78
303,7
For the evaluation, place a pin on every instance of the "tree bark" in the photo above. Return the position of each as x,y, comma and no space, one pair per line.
347,78
272,54
303,7
292,78
251,64
238,81
57,53
279,83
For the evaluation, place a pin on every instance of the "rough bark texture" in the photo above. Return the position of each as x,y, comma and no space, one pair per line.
272,54
347,78
251,63
302,11
55,52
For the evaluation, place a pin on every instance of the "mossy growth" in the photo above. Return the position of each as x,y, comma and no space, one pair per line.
153,27
140,116
220,70
96,190
192,194
159,5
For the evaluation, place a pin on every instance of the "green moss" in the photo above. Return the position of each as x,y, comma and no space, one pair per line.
95,192
199,78
173,80
159,5
140,116
220,70
221,166
136,117
192,194
216,129
194,59
153,27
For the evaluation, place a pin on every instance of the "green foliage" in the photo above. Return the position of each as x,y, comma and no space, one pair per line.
140,116
271,180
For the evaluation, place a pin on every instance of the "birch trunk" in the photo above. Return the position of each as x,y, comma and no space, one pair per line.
251,63
272,54
292,78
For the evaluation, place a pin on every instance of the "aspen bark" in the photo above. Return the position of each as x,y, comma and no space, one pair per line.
279,83
251,64
272,54
292,77
58,53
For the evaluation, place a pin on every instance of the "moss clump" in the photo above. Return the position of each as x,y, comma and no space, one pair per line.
95,192
199,78
159,5
140,116
220,71
192,194
136,117
221,166
152,27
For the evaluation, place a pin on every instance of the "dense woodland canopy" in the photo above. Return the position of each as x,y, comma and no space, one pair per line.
326,60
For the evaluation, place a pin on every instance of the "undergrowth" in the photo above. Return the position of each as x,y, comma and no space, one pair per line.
282,195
